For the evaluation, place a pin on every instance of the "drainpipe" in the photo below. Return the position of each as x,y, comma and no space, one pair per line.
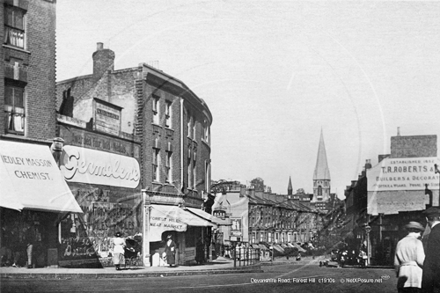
181,142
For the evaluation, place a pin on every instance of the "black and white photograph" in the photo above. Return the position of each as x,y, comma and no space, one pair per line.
220,145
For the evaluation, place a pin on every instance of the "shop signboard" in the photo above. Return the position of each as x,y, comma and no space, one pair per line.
107,117
403,174
96,167
398,184
236,227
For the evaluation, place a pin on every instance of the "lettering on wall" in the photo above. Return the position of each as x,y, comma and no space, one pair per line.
403,174
90,234
95,167
107,117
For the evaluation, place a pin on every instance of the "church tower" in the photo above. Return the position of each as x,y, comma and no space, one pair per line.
321,177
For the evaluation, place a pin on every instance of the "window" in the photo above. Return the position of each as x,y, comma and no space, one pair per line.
206,131
194,170
168,167
156,164
14,108
189,125
168,114
14,26
194,128
156,110
319,190
189,172
207,175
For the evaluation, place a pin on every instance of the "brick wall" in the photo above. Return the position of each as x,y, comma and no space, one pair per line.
41,116
413,146
2,76
39,59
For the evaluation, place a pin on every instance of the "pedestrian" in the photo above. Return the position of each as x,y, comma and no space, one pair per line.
118,251
431,267
170,251
29,239
408,260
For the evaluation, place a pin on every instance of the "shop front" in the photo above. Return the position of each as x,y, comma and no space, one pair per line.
186,229
105,185
399,190
34,198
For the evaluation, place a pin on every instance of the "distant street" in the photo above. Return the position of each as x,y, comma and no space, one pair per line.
277,278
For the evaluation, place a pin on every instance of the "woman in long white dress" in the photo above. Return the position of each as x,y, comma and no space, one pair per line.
118,250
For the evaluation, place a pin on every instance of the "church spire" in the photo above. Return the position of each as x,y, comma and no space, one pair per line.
289,187
321,168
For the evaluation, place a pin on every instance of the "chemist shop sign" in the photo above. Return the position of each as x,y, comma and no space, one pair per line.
403,174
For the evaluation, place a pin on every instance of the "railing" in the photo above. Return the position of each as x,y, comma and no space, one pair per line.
246,256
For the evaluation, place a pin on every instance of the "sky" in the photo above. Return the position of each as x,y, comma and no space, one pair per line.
276,73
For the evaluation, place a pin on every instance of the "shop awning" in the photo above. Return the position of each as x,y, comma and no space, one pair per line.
300,249
30,179
211,218
172,218
279,248
263,247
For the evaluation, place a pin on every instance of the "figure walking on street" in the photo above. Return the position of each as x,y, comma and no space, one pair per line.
118,250
170,251
431,267
408,260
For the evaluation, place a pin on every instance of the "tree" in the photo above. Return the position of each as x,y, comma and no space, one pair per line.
258,184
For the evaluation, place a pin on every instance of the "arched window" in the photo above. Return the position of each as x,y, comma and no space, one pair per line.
319,190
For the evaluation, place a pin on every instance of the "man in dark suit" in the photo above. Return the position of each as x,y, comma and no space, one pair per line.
431,266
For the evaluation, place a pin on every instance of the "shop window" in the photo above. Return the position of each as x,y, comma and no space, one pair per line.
14,29
191,236
14,108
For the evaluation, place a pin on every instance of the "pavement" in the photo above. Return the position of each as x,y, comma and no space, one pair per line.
219,266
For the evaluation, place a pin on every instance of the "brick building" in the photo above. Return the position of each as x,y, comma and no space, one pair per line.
34,195
169,123
388,195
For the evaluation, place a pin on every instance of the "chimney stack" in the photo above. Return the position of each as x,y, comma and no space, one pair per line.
103,61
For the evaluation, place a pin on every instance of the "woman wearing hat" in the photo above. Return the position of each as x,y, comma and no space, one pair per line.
170,251
409,259
118,250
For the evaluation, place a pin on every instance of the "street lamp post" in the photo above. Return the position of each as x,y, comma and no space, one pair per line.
367,232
